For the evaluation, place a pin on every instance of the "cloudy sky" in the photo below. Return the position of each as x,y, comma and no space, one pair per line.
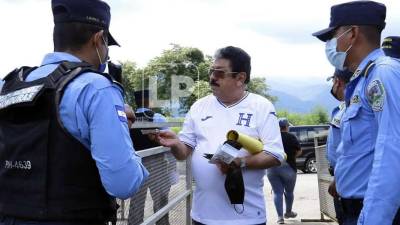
277,34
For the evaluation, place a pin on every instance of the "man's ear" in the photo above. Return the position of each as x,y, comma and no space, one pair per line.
355,34
241,77
97,38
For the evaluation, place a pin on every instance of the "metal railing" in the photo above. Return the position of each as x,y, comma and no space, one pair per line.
166,196
324,179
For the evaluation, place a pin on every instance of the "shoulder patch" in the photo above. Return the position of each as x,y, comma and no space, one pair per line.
121,113
355,99
338,114
376,95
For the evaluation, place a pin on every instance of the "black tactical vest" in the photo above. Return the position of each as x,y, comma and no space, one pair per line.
45,173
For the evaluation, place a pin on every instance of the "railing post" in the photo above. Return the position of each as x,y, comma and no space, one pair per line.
315,142
189,186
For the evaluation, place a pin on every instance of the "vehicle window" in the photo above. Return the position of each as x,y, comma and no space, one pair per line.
302,135
321,133
311,135
306,135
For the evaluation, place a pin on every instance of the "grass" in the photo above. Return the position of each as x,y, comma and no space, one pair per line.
172,119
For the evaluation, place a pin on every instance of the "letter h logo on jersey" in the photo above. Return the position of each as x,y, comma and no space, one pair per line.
242,118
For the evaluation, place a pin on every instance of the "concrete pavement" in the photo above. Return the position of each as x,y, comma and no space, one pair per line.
306,202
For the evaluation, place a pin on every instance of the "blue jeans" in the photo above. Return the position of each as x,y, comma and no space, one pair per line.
283,180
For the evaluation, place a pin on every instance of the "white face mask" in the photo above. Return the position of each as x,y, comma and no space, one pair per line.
102,66
334,57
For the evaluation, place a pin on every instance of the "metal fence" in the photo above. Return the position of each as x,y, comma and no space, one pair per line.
324,179
165,198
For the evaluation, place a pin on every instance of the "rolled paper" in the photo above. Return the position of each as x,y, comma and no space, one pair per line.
251,144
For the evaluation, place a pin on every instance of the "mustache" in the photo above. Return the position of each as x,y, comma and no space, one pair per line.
213,83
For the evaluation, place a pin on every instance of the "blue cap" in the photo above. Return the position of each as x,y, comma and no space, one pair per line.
354,13
391,46
95,12
283,122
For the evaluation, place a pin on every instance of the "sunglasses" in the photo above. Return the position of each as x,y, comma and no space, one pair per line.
219,73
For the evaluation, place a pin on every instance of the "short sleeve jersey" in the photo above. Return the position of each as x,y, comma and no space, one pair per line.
204,129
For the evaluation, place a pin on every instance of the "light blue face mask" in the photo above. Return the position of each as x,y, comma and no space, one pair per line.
334,57
103,65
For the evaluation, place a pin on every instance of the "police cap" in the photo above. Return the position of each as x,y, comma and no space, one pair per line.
354,13
95,12
391,46
283,122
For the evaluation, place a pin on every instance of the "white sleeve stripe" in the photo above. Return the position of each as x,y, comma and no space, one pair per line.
275,155
188,144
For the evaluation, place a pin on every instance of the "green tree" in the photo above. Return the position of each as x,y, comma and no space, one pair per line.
200,89
321,114
131,80
181,61
178,60
258,85
318,115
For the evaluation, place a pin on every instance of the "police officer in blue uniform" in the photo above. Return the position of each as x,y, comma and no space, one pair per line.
391,46
368,156
65,149
340,79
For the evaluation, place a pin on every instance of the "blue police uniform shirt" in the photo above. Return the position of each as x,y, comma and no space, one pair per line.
368,161
334,133
92,110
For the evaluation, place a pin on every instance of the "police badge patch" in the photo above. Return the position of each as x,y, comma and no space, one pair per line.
376,95
355,99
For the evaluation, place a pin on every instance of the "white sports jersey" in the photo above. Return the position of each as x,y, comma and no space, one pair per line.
204,129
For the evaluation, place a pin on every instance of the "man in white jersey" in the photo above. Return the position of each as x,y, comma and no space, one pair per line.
209,119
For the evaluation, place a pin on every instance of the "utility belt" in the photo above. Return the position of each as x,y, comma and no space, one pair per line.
353,207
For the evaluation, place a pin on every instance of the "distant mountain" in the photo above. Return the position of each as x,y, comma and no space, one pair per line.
301,96
290,103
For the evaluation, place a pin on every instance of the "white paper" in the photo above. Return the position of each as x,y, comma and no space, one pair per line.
225,153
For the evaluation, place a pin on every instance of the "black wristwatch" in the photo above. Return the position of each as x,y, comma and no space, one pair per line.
241,163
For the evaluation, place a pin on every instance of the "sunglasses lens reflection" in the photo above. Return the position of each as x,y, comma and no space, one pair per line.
216,73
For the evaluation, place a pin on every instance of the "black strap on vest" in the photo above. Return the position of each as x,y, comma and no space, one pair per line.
49,175
367,70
